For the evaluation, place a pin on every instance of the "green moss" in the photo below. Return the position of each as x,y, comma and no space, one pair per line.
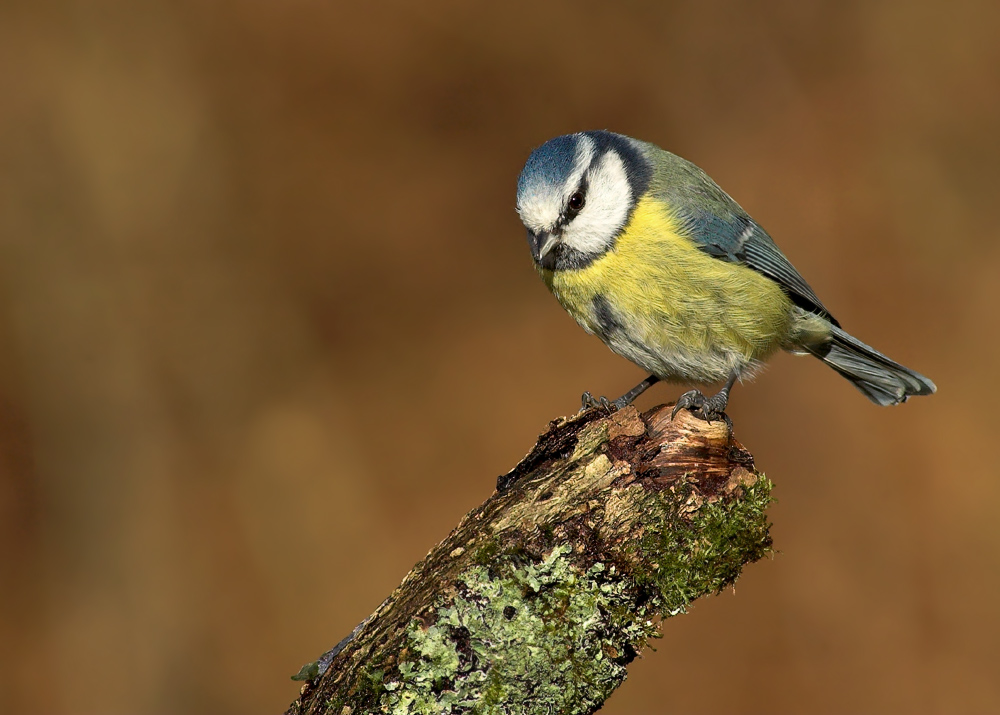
704,554
309,671
368,689
486,553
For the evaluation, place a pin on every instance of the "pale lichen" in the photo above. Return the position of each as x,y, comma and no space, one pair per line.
533,638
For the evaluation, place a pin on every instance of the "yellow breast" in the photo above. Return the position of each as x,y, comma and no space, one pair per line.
678,312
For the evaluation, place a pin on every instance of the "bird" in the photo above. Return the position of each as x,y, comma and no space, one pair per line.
644,250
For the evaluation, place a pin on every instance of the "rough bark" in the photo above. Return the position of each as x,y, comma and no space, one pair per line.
541,596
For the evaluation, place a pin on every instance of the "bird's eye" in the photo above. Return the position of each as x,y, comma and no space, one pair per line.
576,202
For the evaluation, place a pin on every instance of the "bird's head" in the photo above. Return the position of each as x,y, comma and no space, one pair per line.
576,194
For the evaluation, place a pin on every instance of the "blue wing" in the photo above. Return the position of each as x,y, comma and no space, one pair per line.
721,228
741,240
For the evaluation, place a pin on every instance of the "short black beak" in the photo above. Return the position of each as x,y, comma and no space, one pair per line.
542,244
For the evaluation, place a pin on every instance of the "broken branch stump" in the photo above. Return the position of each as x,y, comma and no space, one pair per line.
541,596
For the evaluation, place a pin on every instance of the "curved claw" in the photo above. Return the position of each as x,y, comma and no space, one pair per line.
588,401
708,409
692,400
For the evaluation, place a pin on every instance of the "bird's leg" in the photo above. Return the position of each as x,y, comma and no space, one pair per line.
629,397
625,400
707,408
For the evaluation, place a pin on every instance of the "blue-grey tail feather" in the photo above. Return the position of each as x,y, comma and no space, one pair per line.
881,380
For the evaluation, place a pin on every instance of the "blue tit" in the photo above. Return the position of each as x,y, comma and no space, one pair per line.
645,251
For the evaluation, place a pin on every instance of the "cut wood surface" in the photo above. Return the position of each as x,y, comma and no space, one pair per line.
541,596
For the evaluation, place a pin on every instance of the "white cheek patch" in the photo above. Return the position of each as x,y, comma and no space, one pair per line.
541,209
609,197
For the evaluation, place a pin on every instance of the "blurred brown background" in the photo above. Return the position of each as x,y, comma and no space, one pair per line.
269,327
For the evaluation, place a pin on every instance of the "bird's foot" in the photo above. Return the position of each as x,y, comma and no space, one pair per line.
705,408
588,401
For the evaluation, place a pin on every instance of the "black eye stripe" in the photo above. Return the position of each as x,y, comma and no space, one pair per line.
572,210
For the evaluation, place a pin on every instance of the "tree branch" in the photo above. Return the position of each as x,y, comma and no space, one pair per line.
542,595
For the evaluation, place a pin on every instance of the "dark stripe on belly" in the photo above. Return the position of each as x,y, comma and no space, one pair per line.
607,322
